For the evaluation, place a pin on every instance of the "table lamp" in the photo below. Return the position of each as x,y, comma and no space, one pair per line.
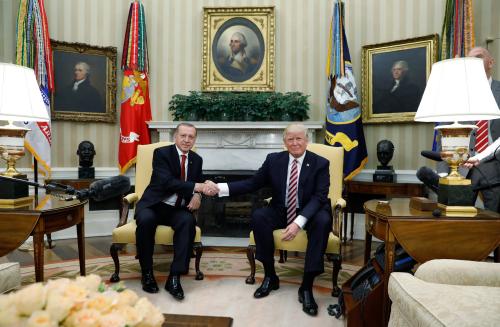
457,90
20,100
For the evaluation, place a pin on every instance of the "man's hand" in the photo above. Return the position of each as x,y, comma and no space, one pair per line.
471,162
290,232
210,188
195,202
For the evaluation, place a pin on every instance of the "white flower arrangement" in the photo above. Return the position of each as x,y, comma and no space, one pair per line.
85,301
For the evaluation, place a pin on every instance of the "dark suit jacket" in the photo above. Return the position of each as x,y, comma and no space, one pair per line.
314,182
165,179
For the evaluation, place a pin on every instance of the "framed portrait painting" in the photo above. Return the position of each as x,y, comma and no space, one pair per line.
394,77
85,82
238,49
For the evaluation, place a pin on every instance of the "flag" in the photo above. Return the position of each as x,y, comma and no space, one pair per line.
135,104
343,113
457,36
33,50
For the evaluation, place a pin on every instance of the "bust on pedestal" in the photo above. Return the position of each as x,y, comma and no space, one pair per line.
86,153
385,173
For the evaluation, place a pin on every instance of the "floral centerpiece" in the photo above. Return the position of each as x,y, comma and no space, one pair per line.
85,301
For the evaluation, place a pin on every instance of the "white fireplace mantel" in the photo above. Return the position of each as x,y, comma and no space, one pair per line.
234,145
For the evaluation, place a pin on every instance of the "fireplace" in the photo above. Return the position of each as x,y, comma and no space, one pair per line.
232,151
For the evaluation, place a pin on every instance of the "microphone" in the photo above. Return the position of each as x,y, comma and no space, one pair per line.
428,177
103,189
99,190
433,155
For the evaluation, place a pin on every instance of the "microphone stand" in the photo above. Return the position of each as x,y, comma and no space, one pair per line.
50,187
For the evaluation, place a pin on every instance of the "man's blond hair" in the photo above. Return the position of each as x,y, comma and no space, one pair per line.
295,127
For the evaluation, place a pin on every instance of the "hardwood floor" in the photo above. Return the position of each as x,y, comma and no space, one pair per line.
95,247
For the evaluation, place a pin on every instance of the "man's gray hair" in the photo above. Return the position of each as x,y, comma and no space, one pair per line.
295,127
85,66
185,125
241,37
403,64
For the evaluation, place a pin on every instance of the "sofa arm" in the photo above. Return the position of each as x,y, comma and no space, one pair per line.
460,272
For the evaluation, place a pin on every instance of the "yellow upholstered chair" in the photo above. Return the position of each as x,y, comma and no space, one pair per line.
124,233
336,157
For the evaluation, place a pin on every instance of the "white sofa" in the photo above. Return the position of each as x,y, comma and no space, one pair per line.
10,276
447,293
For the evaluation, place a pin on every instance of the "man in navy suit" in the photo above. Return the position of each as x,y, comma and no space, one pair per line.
294,206
169,199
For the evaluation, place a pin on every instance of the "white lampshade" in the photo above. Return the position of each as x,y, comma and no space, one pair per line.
457,90
20,96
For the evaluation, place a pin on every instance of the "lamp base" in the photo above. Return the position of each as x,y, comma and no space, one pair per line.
14,190
456,197
16,203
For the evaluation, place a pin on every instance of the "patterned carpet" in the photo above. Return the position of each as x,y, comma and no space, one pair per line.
225,262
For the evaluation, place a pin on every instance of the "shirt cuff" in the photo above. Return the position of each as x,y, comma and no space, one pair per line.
301,221
223,189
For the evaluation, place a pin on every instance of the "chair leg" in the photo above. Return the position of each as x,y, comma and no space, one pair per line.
251,260
283,256
337,265
198,248
113,250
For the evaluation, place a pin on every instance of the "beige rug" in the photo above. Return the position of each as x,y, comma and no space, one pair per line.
223,292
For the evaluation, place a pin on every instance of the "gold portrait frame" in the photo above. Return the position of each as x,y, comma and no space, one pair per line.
101,62
381,102
219,69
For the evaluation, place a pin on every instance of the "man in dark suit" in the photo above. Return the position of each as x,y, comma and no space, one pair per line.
300,181
169,199
487,174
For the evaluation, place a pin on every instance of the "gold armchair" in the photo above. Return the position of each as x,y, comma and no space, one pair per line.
124,233
334,248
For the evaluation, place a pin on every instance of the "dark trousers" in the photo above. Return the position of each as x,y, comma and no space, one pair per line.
266,220
182,222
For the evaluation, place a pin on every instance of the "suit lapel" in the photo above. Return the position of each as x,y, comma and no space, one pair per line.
173,156
190,170
305,170
282,172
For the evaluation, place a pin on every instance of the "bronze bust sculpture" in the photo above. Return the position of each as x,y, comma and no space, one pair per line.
385,152
86,153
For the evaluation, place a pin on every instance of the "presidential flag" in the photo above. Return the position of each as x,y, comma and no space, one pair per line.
135,105
343,112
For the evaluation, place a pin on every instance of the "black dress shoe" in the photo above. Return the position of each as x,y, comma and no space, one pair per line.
173,286
268,284
148,282
309,306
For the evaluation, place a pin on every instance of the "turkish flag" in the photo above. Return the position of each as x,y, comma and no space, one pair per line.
135,111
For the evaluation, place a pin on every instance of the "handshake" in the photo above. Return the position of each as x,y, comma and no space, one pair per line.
208,188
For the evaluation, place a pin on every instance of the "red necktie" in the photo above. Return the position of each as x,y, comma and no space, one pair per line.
481,136
183,178
291,212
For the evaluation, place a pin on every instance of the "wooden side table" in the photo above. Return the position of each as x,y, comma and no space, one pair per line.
356,193
45,215
425,237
